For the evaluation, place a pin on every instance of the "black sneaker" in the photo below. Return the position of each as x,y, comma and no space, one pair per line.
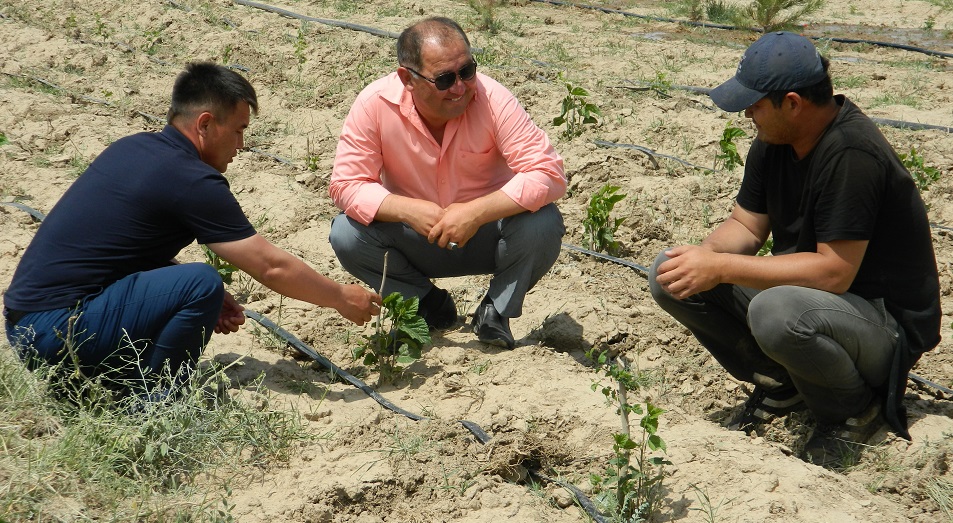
763,406
492,328
839,444
438,310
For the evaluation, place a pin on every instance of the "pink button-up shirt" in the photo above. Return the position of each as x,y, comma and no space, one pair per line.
385,148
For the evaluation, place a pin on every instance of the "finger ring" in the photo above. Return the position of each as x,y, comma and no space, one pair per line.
452,245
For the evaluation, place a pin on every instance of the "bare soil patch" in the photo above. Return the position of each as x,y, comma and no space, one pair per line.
111,65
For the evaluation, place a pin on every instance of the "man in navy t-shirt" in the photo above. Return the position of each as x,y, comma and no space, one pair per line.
98,287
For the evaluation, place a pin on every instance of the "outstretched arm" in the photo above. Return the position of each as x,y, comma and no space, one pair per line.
288,275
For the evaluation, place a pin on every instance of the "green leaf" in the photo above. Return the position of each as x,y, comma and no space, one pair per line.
416,329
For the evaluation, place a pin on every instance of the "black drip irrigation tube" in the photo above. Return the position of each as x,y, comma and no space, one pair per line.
326,21
903,47
899,124
584,502
37,215
148,117
700,90
474,429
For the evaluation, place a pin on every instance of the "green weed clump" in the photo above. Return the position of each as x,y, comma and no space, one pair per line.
923,174
774,15
73,448
486,11
630,490
399,336
599,226
768,15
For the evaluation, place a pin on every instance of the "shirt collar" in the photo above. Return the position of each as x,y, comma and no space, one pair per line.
178,139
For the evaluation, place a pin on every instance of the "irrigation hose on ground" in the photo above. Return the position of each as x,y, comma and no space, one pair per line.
902,47
472,427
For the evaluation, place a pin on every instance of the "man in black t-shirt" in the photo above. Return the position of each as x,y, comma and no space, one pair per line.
849,299
98,288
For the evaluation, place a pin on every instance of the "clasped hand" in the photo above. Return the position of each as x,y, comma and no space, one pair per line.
689,270
455,224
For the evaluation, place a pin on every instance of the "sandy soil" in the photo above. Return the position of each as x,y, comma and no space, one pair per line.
112,64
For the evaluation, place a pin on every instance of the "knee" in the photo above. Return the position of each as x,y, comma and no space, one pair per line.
543,228
205,282
548,224
340,233
659,294
771,321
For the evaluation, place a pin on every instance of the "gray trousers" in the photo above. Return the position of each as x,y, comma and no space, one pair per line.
834,348
517,251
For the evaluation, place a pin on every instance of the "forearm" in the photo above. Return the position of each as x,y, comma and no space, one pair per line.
734,238
494,206
396,208
803,269
293,278
280,271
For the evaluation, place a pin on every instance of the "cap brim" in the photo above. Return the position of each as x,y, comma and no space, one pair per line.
733,97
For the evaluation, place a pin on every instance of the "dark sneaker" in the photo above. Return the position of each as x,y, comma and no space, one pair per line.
763,406
492,328
839,444
438,310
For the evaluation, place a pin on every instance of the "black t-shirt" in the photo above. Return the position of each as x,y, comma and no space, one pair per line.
137,205
852,186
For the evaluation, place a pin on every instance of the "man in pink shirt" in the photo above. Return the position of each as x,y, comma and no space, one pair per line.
442,167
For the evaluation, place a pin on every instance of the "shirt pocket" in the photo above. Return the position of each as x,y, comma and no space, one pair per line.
488,166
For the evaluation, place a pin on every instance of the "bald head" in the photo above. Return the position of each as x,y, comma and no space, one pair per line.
437,30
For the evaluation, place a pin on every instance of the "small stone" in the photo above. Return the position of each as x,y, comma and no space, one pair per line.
452,355
562,498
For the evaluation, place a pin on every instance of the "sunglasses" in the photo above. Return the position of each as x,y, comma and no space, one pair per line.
446,80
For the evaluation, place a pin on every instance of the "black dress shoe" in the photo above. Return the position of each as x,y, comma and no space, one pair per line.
492,328
437,309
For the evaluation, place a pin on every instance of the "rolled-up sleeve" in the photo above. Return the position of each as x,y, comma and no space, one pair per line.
355,185
538,174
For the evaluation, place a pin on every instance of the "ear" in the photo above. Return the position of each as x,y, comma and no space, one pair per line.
405,77
793,102
202,122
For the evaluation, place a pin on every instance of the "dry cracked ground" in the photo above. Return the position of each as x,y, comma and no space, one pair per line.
78,75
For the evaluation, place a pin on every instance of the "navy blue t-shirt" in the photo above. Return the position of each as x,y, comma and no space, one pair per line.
852,186
137,205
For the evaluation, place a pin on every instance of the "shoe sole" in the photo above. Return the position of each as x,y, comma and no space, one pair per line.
496,342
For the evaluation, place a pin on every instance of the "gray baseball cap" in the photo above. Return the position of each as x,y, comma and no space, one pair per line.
777,61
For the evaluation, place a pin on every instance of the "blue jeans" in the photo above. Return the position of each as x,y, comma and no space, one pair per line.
129,329
834,348
517,251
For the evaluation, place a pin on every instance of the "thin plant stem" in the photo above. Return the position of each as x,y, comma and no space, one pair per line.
384,275
380,313
621,493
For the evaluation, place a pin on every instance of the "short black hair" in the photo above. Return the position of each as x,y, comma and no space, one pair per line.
818,94
205,86
411,39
